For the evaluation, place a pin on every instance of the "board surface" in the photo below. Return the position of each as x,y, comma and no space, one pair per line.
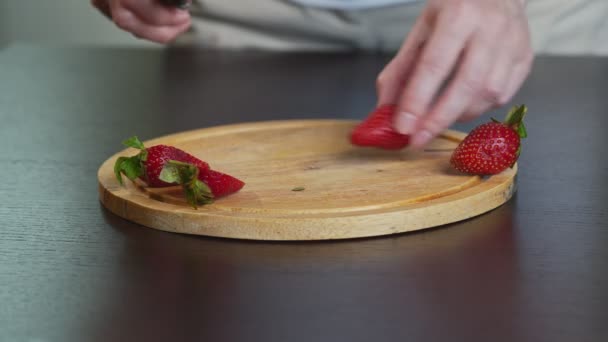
348,192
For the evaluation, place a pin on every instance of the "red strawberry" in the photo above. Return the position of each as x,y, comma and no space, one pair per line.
492,147
220,184
200,185
157,157
163,165
148,164
377,131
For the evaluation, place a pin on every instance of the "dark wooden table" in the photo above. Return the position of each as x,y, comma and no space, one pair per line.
536,269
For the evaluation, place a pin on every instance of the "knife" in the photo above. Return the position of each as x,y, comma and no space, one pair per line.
181,4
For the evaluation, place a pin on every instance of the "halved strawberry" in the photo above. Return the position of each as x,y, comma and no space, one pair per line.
200,186
149,162
162,165
221,184
377,131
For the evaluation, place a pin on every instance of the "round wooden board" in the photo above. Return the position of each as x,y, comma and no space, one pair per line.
348,191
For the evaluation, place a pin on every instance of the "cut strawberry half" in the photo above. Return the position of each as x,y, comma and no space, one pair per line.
200,186
221,184
162,165
377,131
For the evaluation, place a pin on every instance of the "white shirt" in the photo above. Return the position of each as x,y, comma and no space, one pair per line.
350,4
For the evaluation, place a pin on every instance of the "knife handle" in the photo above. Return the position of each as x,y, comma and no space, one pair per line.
181,4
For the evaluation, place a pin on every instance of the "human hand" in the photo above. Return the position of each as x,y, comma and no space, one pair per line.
146,19
483,46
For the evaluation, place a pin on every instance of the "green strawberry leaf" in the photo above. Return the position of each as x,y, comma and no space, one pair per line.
516,115
134,142
198,193
118,169
185,174
521,131
510,114
131,167
515,120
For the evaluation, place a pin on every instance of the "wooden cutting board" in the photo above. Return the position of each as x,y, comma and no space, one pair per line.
348,192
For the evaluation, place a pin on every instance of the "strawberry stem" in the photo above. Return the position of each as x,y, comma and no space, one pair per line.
185,174
515,119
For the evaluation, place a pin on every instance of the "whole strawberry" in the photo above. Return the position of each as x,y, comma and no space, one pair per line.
492,147
377,131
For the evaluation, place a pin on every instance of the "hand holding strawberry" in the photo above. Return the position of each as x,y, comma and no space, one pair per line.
492,147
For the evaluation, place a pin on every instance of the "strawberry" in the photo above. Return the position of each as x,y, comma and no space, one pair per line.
200,183
492,147
148,164
162,165
220,184
377,131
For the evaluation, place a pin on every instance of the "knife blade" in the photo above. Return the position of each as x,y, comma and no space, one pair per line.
181,4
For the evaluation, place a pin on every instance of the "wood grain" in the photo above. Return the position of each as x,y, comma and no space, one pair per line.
345,191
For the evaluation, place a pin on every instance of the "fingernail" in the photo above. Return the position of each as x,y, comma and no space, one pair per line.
422,138
405,123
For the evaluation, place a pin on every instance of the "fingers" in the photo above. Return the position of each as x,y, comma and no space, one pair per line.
507,76
519,74
483,45
160,34
392,79
153,13
452,30
146,19
128,21
463,92
494,87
